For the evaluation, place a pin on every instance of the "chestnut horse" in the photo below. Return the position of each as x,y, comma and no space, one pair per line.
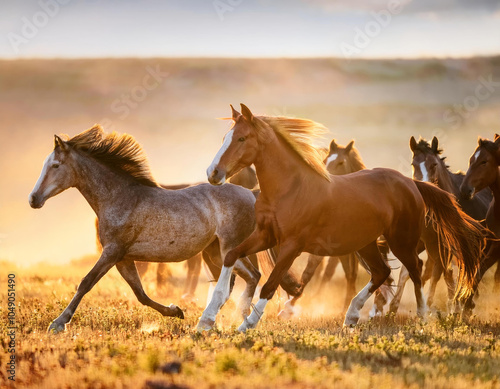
484,173
139,220
340,160
302,208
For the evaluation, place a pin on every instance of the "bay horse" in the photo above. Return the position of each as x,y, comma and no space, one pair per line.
483,172
139,220
302,208
429,165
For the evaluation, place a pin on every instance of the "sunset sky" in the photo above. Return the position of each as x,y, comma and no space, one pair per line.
262,28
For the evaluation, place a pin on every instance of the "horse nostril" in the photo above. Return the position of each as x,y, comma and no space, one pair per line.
215,172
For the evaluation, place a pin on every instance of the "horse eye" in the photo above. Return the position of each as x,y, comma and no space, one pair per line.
483,163
242,139
55,166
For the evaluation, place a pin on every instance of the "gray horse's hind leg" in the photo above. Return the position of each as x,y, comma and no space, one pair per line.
129,272
107,260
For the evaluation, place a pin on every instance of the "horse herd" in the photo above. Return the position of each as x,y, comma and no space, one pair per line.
324,202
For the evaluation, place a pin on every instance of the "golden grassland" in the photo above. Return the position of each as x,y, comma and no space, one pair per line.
115,342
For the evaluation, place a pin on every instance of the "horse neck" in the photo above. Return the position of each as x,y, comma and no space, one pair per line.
355,166
495,188
98,184
279,168
444,180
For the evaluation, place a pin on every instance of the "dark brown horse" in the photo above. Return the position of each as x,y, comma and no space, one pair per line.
302,208
484,173
428,165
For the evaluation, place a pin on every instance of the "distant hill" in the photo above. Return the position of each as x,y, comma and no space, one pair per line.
170,106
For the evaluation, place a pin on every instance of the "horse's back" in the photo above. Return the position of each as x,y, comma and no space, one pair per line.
171,225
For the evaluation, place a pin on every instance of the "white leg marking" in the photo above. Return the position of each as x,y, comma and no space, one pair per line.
211,288
288,310
225,145
352,315
252,320
425,175
331,159
220,295
421,303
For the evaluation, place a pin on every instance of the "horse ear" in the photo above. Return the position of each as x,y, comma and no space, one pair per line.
413,144
235,114
348,148
58,142
333,145
497,138
434,144
247,114
479,139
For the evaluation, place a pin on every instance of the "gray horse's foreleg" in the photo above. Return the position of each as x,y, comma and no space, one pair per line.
129,273
107,260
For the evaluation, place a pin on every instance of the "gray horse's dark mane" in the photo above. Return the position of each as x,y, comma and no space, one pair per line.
120,152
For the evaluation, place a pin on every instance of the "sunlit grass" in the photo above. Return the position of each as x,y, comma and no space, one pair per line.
115,342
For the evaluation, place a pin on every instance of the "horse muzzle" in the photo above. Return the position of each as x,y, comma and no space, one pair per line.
216,176
35,201
467,192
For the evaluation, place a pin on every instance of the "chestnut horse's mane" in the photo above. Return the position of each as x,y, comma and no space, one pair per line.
120,152
298,134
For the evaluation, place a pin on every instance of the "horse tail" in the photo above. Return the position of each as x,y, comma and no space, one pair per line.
290,282
458,234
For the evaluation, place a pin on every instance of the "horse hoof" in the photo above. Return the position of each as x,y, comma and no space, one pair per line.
56,328
177,311
205,325
245,326
348,328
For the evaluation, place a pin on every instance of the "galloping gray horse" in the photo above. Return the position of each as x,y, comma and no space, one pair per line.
139,220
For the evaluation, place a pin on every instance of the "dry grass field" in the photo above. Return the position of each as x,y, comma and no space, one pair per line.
115,342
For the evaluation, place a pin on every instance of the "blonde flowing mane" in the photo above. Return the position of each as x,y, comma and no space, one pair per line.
120,152
298,134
